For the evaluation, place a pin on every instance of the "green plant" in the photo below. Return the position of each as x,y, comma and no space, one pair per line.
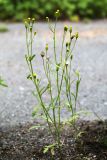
58,70
2,83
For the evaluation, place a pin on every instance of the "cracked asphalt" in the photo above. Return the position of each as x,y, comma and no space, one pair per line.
17,101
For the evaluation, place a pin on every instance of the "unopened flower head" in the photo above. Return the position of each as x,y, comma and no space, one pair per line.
67,44
42,54
71,56
77,73
70,30
34,75
57,67
26,24
30,28
72,37
47,18
29,20
67,63
57,14
34,33
76,35
65,28
29,77
33,20
46,47
67,50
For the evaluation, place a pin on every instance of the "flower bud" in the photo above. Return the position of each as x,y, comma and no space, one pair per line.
29,77
42,54
30,58
26,24
57,67
33,20
70,30
71,56
67,44
72,37
46,47
30,28
76,35
67,63
34,33
67,50
65,28
47,18
34,75
77,73
29,20
57,14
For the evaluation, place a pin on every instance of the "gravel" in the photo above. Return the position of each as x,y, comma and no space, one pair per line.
17,101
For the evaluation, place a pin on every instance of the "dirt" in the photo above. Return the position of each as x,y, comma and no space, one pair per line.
20,143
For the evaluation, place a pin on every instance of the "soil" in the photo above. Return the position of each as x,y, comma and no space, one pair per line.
20,143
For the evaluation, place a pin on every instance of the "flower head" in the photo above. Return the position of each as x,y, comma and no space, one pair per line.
65,28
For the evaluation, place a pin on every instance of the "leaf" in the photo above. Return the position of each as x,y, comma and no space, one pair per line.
35,111
45,149
2,83
32,57
77,87
50,147
79,134
34,127
44,89
52,151
73,118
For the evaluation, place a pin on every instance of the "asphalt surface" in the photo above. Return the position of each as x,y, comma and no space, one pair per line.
17,101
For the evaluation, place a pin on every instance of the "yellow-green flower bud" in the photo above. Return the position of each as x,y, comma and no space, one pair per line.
46,47
71,56
34,75
57,67
33,20
26,24
67,44
29,18
30,28
70,30
65,28
57,14
47,18
34,33
76,35
77,73
67,50
30,58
